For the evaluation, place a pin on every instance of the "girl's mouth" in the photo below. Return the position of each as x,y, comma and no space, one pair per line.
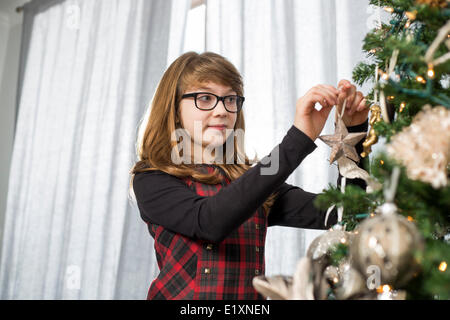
218,127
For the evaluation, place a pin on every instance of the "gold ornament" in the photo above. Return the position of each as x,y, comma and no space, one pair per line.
375,116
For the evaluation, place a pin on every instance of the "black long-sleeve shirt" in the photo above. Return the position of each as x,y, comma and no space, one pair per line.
166,200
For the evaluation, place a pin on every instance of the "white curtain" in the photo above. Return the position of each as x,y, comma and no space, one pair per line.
89,70
283,48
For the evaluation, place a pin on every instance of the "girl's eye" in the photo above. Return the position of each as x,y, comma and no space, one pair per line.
231,99
204,98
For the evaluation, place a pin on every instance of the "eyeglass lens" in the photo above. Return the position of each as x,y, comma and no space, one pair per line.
208,101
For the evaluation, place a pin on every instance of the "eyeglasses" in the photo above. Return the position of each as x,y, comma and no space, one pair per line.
208,101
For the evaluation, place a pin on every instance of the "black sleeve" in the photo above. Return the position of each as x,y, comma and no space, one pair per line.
293,207
166,200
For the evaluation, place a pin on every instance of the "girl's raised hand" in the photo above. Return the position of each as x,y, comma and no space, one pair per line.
307,118
356,111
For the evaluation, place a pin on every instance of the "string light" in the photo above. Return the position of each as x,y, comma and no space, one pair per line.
402,106
420,79
430,71
384,76
384,288
343,240
381,162
373,50
389,9
410,219
443,266
391,97
407,24
411,14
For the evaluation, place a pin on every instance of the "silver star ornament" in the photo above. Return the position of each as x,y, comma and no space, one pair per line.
342,142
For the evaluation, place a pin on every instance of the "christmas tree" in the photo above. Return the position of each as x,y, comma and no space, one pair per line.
392,241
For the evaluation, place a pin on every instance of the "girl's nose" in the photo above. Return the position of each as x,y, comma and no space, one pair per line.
220,108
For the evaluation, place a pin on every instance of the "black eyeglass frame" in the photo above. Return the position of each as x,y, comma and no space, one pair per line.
194,95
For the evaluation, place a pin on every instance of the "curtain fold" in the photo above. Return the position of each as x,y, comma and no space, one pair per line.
88,72
283,48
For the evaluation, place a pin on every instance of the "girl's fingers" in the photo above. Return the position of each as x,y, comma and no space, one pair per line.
341,98
344,92
329,99
309,100
331,89
353,105
348,92
362,105
356,102
324,112
351,97
329,93
328,96
324,99
344,84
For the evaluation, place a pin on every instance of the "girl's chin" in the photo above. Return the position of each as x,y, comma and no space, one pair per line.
214,139
213,143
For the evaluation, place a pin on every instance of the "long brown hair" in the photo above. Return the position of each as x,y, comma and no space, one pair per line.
155,146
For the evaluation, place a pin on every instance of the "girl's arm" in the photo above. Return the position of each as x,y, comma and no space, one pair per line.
165,200
294,207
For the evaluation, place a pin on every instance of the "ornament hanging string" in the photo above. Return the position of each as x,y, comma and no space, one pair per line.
390,70
390,190
340,209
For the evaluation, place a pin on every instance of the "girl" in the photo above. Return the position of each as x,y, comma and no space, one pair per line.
209,217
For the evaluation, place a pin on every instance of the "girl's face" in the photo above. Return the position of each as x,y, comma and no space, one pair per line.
202,125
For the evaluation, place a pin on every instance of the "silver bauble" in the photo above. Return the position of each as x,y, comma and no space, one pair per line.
351,284
322,244
386,243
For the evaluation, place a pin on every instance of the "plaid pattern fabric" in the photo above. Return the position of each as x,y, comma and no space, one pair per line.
196,269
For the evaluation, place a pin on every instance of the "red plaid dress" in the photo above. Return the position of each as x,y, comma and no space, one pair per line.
196,269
